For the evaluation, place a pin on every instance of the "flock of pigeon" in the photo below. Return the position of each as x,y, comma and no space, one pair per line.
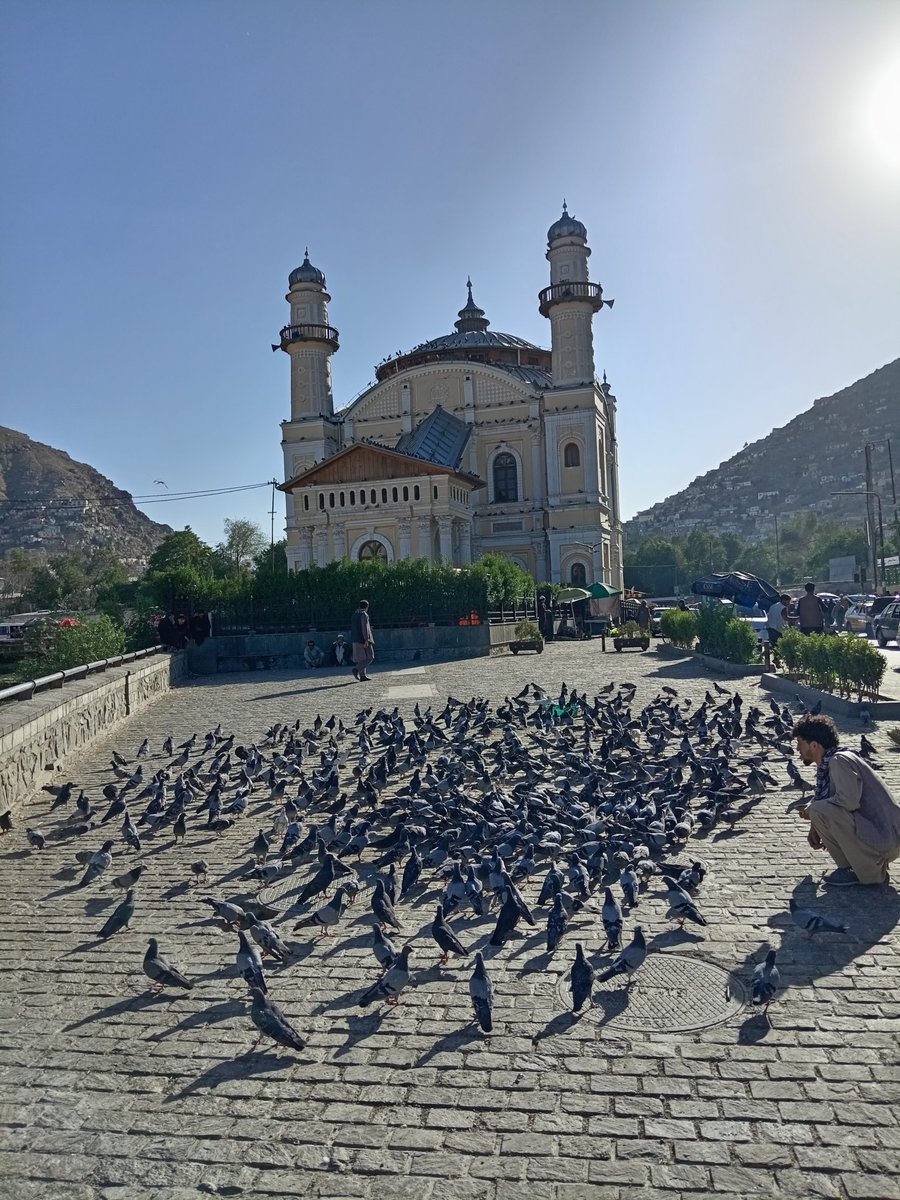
579,803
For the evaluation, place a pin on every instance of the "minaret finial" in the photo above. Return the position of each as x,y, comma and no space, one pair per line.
565,206
306,251
469,286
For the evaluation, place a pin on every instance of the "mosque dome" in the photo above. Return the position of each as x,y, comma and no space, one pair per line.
306,273
566,226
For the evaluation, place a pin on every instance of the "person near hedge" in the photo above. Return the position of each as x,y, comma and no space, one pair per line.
775,618
363,641
810,614
312,655
852,815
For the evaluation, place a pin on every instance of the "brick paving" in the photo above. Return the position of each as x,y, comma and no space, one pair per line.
107,1093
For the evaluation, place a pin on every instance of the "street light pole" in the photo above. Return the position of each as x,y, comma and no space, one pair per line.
777,555
870,533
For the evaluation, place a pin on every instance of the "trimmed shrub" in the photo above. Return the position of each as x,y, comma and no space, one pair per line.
679,627
723,635
844,664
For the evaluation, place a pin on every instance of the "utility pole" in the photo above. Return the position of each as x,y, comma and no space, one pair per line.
777,555
272,529
870,515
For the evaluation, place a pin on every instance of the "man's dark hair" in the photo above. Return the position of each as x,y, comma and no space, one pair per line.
817,729
785,599
810,587
363,604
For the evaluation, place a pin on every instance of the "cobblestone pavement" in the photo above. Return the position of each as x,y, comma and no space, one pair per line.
110,1094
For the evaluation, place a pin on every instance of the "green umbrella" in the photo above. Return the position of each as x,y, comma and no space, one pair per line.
570,595
600,591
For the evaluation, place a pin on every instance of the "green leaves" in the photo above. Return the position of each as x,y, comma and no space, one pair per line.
679,627
844,663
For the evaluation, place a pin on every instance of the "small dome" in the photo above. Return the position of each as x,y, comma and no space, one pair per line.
306,273
471,317
566,226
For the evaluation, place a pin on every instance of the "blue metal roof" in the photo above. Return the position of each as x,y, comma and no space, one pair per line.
441,438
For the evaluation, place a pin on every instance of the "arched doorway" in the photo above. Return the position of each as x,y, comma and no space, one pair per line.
372,551
578,575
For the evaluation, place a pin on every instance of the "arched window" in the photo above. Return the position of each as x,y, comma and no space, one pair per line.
321,500
306,503
571,455
353,499
416,495
371,551
578,575
384,495
374,496
506,479
406,493
394,495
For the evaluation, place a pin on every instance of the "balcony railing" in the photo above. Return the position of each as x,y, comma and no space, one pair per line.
309,333
558,293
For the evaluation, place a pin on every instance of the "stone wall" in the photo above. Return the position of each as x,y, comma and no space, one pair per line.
36,735
279,651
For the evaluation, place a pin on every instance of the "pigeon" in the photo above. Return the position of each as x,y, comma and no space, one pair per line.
581,980
765,981
268,940
507,920
382,907
329,914
612,921
813,922
481,990
98,863
200,870
628,882
232,914
631,958
128,879
272,1023
261,846
391,984
383,949
119,918
681,906
556,923
249,964
161,972
35,839
130,834
446,939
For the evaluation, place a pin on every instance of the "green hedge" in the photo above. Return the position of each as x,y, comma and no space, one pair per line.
56,648
679,627
842,663
723,635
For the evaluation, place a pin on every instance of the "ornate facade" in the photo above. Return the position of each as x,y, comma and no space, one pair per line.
473,442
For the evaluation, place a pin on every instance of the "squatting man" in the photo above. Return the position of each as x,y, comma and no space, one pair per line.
852,815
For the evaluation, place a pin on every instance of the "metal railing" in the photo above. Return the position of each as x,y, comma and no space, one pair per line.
558,293
310,333
25,690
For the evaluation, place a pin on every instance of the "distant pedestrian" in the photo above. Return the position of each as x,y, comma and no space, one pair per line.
776,616
363,641
341,654
165,631
182,634
810,613
682,606
839,612
312,655
644,616
201,628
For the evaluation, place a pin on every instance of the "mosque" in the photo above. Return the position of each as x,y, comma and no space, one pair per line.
474,442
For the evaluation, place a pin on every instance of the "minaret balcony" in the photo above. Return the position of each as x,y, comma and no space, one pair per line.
561,293
309,333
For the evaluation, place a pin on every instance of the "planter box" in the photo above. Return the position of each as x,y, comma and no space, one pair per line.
881,709
537,646
629,643
716,666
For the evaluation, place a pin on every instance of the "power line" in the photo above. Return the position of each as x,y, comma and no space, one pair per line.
119,501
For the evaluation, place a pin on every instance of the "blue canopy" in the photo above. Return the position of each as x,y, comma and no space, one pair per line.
745,590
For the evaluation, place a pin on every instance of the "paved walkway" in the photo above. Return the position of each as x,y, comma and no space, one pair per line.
109,1094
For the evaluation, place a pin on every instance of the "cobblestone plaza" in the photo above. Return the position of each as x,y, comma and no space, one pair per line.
678,1090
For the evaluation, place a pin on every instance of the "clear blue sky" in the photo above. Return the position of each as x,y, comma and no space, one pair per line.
166,163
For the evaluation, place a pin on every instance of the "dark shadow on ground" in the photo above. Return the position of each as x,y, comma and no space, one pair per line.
128,1004
254,1062
458,1039
209,1016
359,1028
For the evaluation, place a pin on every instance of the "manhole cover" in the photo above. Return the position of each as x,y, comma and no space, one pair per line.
671,993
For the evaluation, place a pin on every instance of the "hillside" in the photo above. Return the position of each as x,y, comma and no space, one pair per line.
794,469
52,504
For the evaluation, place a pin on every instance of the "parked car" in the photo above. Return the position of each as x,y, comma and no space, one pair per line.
887,624
858,617
759,627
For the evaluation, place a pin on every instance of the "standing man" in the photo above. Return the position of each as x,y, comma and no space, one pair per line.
853,816
644,616
363,641
810,615
775,617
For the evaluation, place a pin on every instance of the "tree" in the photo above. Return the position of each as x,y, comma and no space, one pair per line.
266,561
180,549
655,565
244,540
17,568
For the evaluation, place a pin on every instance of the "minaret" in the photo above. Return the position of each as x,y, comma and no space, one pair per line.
570,302
471,317
310,341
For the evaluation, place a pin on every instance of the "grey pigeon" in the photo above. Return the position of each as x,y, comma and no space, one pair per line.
272,1023
35,839
813,922
98,863
481,991
581,980
382,907
446,939
328,915
232,914
129,878
200,870
383,948
557,922
765,981
612,921
630,959
249,963
391,984
268,940
119,918
161,972
681,907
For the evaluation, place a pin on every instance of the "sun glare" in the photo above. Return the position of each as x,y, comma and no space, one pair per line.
882,113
